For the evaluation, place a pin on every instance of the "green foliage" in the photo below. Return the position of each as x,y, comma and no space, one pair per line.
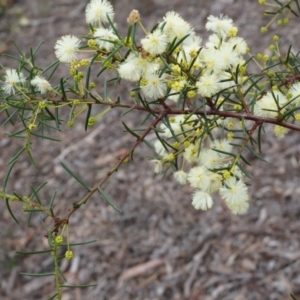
205,120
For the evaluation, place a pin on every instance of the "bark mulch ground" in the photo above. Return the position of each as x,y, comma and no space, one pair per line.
159,247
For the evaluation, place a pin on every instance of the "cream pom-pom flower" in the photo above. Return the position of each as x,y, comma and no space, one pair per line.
105,38
156,86
96,12
155,43
208,85
12,79
41,84
202,200
66,48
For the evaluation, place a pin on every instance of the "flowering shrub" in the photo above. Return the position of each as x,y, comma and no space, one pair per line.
204,107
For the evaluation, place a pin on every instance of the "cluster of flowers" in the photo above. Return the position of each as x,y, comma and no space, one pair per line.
171,63
274,103
207,165
189,70
159,75
15,80
162,75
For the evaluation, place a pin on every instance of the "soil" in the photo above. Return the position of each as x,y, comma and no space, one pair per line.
159,247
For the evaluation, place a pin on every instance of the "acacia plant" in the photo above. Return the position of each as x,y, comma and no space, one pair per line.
197,96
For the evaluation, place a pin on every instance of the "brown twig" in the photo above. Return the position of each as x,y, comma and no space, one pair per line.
95,188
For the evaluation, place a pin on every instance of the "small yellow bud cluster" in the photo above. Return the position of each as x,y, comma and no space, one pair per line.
70,124
169,83
191,94
237,107
78,76
283,21
265,57
259,56
177,86
230,125
84,62
92,43
185,64
193,53
264,29
280,131
59,239
176,145
243,69
69,254
171,119
92,85
297,117
272,47
132,94
91,121
220,100
226,175
31,126
286,21
42,104
194,151
76,102
170,157
232,31
73,71
75,64
151,57
289,96
143,82
176,69
230,136
186,144
199,131
107,65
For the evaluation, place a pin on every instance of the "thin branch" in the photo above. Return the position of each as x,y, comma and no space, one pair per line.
94,189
